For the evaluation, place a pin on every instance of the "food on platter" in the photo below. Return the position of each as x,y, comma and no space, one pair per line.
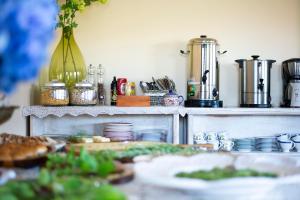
24,152
156,150
6,138
99,165
87,139
80,139
16,152
224,173
161,172
49,186
82,164
72,176
126,151
100,139
115,146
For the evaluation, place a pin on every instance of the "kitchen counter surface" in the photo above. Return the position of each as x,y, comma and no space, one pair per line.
244,111
60,111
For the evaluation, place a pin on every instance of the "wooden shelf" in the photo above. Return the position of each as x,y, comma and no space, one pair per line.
43,111
94,111
244,111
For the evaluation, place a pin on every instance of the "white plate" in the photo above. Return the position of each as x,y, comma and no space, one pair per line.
161,172
118,124
6,175
117,129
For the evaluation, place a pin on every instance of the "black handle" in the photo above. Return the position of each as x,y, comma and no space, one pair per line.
184,52
221,52
204,77
261,84
255,57
203,36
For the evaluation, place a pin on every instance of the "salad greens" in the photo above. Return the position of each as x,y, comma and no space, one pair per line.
67,176
70,175
51,187
101,164
156,150
228,172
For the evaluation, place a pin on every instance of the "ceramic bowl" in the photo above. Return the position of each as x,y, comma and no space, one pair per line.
200,136
211,136
223,136
296,138
285,137
286,146
297,146
226,145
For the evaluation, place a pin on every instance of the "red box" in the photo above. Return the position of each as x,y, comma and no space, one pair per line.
121,85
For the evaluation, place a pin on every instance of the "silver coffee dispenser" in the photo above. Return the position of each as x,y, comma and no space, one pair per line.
203,73
255,84
291,82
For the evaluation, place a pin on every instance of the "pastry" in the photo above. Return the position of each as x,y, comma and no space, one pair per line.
6,138
13,152
16,147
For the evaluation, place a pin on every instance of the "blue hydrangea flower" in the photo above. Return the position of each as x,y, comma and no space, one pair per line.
26,29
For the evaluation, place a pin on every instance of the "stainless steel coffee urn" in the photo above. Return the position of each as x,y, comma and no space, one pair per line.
291,82
203,73
255,84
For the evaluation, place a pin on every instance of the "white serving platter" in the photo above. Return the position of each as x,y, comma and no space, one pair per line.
161,172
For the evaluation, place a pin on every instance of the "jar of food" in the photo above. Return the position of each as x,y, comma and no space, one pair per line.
83,93
54,93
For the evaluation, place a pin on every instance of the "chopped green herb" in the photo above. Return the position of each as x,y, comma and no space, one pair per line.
160,149
228,172
59,188
84,164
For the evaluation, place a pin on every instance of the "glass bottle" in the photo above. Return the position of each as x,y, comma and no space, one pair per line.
91,75
100,85
113,88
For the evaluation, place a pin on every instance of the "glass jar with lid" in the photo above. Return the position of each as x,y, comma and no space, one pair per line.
54,93
83,93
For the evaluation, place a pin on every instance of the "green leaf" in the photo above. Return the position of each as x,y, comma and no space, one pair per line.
44,177
103,1
107,192
8,197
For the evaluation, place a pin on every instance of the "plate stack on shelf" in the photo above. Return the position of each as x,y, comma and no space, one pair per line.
152,135
244,145
266,144
118,132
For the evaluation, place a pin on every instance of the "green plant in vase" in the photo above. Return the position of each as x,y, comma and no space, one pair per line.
67,63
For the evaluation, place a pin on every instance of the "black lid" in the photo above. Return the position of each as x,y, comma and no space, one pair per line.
292,60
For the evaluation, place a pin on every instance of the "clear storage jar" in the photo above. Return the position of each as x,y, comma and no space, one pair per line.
54,93
83,93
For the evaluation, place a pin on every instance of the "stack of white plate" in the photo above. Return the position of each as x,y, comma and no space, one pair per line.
244,144
266,144
118,131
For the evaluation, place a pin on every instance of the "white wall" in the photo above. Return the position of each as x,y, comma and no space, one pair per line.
139,39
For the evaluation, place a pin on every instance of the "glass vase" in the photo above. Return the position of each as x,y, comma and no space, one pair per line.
67,64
